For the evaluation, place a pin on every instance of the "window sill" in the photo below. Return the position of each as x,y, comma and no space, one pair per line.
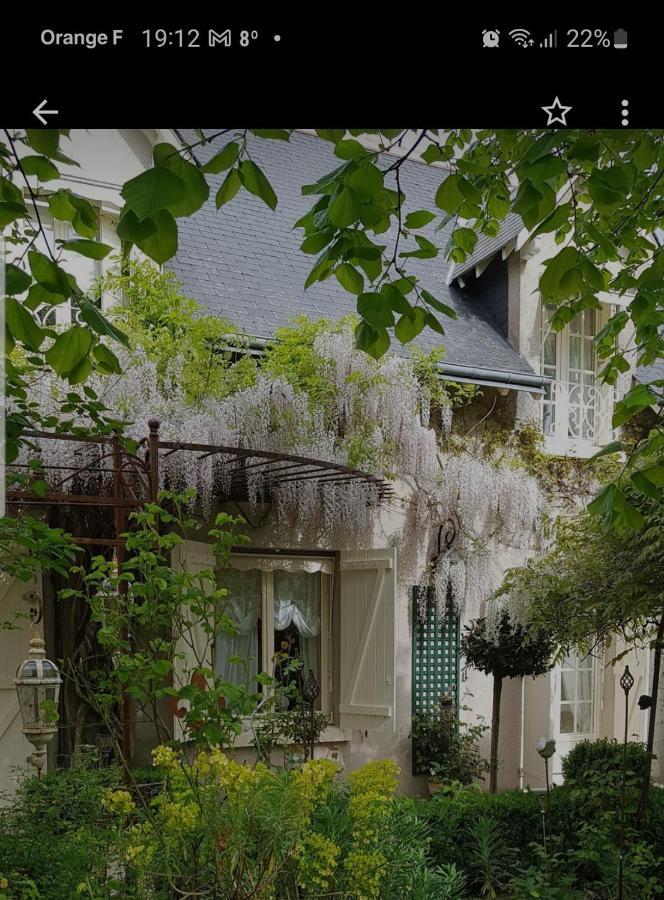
332,735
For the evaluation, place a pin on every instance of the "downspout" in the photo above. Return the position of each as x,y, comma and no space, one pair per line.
522,742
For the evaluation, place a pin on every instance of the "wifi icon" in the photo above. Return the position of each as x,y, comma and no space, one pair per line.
521,37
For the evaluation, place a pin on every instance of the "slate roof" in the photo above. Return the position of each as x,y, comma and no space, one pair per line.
654,372
243,261
487,247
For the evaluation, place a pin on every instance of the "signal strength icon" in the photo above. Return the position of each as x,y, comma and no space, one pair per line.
551,40
521,37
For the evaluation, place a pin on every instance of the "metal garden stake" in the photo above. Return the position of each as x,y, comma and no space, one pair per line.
626,683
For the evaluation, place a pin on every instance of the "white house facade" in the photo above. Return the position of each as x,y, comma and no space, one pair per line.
349,597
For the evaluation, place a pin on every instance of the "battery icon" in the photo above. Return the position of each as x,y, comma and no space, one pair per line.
620,39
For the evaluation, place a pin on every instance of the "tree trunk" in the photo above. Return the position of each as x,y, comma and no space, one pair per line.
652,716
495,729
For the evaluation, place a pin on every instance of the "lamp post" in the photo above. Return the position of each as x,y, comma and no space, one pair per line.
626,683
38,683
310,693
546,747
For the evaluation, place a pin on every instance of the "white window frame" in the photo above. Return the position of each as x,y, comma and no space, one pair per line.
565,667
566,398
62,230
267,619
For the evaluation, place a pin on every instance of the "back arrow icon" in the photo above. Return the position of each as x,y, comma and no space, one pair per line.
40,112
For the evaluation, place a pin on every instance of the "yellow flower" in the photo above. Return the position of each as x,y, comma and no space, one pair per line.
366,872
314,781
318,861
4,884
165,756
119,802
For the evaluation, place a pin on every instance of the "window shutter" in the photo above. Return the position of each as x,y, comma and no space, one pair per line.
196,648
366,626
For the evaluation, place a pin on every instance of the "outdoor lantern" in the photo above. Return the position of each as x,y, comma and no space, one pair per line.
546,747
38,687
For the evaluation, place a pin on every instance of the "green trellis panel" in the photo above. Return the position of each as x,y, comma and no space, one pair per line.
436,668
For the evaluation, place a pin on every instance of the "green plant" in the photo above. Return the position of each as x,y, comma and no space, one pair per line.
509,651
53,835
180,611
446,748
489,857
602,760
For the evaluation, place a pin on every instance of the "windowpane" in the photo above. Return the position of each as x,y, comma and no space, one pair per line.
297,619
244,607
584,718
585,685
568,686
566,718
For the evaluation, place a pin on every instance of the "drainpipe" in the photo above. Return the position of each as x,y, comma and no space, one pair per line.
522,747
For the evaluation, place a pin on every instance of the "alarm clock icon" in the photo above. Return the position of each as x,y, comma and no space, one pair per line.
490,38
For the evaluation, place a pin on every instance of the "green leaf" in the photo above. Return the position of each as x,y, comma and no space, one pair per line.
222,160
448,195
345,208
639,398
41,167
69,349
645,486
38,295
554,270
254,180
91,249
608,187
315,242
22,325
612,506
443,308
16,280
273,134
349,148
10,211
107,361
49,274
43,140
613,447
396,300
98,322
375,310
349,278
409,326
374,341
544,169
80,212
153,191
229,188
196,187
419,219
334,135
81,372
156,236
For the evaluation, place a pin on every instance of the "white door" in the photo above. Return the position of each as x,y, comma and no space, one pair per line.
576,688
14,646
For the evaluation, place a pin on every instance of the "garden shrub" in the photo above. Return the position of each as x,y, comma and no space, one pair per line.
602,760
452,816
584,841
53,836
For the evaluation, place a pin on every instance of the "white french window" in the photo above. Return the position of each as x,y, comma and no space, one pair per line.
576,407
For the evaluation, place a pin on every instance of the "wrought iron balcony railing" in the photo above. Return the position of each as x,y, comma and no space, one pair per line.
576,418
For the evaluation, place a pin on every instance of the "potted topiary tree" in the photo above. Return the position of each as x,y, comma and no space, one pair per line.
510,650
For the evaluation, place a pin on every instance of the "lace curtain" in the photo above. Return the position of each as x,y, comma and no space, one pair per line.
244,608
297,605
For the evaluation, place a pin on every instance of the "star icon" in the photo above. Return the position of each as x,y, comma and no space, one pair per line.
556,112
